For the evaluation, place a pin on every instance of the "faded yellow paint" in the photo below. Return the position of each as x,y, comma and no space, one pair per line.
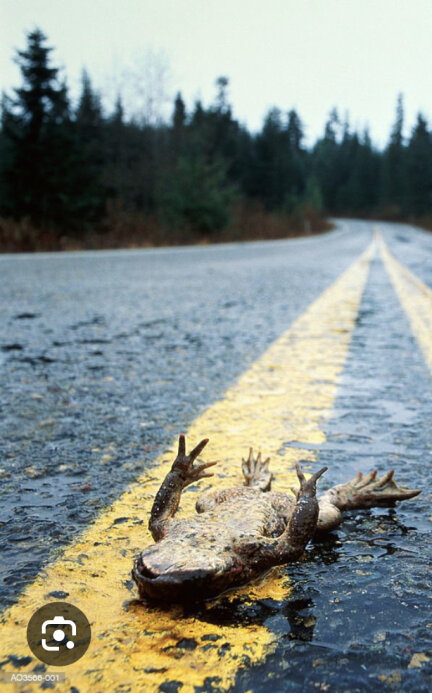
416,299
284,397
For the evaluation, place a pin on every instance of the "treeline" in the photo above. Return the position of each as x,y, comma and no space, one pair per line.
74,175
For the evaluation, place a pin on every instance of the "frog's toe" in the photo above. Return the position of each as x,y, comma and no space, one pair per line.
367,480
370,491
307,486
256,471
386,490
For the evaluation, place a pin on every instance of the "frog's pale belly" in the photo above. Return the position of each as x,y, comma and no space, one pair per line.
208,547
240,533
247,514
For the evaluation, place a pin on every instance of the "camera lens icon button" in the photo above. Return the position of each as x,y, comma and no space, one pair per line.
58,634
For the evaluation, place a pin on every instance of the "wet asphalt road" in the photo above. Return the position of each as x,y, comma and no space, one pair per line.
105,357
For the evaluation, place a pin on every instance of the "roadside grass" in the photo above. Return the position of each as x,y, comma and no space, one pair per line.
128,229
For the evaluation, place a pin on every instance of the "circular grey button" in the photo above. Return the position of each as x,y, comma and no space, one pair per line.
58,634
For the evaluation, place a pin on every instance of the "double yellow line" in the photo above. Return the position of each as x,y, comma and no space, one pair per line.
416,299
285,397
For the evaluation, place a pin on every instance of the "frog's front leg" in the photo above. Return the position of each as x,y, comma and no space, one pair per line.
183,473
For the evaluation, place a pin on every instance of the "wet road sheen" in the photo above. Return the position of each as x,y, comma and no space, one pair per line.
105,357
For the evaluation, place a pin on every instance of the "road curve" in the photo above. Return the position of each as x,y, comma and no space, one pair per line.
105,357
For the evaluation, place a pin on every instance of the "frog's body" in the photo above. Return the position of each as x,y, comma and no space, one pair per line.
240,533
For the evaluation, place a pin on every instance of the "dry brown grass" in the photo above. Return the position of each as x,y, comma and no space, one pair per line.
123,229
22,236
251,222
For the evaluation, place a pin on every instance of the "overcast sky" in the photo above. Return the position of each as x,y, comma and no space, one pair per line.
304,54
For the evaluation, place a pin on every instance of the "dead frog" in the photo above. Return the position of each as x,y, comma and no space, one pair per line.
240,533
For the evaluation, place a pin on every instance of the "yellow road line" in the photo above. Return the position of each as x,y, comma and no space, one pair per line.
285,396
415,298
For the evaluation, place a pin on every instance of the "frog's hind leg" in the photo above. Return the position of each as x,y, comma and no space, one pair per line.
362,492
256,472
370,491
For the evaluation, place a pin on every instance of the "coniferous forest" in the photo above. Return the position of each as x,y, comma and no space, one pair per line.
72,175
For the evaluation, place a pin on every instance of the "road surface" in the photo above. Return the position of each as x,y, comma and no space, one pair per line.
106,356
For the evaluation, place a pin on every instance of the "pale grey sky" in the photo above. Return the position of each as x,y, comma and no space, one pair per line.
307,54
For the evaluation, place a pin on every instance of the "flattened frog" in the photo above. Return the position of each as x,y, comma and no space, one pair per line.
240,533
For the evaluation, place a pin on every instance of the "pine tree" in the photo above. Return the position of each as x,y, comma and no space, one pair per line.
89,111
295,132
39,179
271,152
195,192
222,105
295,162
214,129
345,162
325,161
178,126
93,148
198,115
195,196
394,166
115,170
179,115
419,170
364,177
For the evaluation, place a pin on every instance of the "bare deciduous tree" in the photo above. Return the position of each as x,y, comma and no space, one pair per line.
143,82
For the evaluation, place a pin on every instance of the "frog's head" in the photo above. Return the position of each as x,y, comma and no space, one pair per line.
184,573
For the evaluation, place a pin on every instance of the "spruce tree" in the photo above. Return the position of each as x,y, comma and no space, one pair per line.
39,178
178,126
195,196
394,166
295,161
363,181
179,115
93,150
115,171
419,170
295,131
325,161
271,153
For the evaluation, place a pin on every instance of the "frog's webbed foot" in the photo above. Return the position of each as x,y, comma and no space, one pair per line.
256,472
370,491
